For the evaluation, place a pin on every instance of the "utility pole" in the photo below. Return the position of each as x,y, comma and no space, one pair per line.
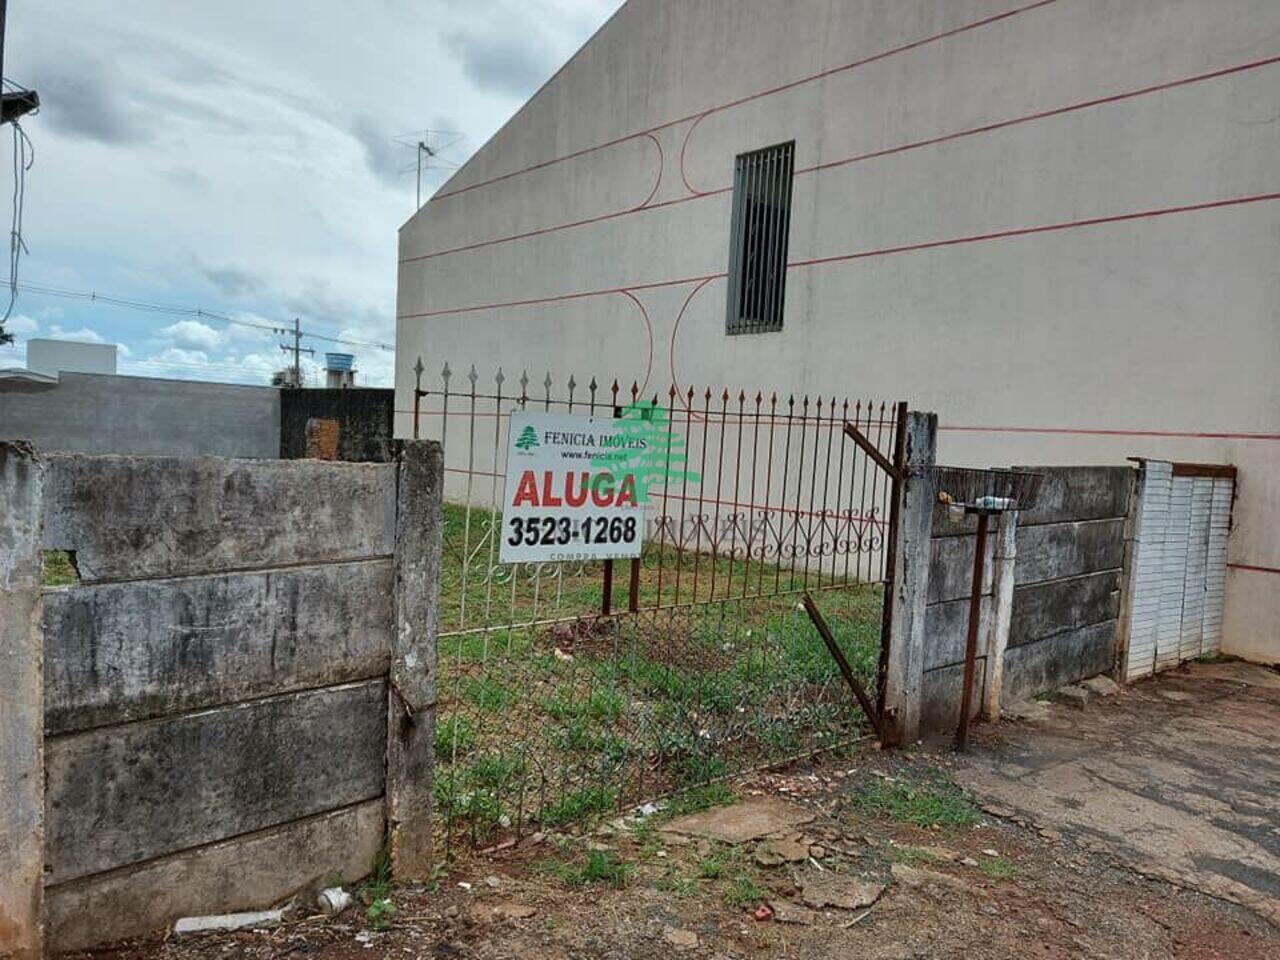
297,350
18,103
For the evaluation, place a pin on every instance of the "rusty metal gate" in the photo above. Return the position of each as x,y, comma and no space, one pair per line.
570,690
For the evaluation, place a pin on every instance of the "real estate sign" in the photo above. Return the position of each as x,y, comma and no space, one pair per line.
574,488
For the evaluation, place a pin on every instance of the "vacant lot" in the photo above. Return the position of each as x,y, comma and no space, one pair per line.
550,713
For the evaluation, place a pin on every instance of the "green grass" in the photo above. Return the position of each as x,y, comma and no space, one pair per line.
454,735
697,799
579,805
607,713
743,891
913,855
59,570
375,892
711,868
924,804
998,868
601,866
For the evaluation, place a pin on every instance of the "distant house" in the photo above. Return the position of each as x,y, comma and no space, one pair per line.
1055,223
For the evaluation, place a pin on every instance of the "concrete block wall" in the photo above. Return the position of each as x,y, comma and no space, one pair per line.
1065,599
104,413
215,688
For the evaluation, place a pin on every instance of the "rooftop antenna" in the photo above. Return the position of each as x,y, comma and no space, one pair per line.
428,147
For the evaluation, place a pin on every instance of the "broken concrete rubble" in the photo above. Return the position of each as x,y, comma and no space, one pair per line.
753,820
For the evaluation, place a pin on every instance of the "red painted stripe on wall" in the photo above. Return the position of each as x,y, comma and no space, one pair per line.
893,51
1252,568
859,158
1103,432
864,254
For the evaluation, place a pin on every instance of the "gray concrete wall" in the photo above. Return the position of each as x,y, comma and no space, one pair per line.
1056,215
218,673
99,413
21,705
1062,624
215,687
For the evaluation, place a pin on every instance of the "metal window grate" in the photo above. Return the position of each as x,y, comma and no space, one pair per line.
758,240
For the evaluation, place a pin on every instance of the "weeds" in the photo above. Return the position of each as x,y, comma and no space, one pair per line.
375,892
742,891
697,799
602,713
913,855
579,805
59,570
998,868
454,736
711,868
938,803
602,866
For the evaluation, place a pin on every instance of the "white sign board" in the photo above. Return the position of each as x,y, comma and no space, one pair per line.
571,494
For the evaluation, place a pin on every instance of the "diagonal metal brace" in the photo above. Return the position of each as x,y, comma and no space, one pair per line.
858,691
869,448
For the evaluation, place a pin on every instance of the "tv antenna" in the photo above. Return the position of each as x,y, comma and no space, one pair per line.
428,147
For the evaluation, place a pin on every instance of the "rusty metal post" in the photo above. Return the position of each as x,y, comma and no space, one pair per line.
417,394
824,631
606,601
971,639
891,548
633,589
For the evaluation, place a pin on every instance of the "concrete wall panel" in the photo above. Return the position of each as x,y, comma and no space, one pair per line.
1079,493
1043,609
946,627
1055,550
128,651
240,874
1036,667
94,413
133,517
120,795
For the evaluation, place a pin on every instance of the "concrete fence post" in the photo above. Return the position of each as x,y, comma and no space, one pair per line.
412,681
21,706
904,677
1006,558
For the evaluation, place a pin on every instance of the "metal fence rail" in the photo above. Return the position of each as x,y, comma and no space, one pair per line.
572,689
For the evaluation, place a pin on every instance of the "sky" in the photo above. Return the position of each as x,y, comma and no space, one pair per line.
244,158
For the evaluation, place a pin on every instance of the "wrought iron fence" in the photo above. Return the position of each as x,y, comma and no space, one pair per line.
573,689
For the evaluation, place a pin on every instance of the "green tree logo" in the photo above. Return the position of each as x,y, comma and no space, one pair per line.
527,440
658,458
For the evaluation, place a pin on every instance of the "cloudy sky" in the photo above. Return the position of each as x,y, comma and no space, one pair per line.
242,157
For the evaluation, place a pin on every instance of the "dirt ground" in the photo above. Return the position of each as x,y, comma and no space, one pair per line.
873,855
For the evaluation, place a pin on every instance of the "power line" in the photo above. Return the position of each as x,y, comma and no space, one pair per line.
174,310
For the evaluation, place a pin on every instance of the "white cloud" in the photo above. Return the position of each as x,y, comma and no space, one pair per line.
21,325
216,158
192,334
178,355
83,335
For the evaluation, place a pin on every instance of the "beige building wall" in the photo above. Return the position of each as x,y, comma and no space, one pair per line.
1055,223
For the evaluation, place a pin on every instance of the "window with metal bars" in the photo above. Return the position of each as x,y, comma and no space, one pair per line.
758,239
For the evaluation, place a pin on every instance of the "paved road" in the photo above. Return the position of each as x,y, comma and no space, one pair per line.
1178,777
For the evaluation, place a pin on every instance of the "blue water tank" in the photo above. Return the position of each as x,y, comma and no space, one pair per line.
339,362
